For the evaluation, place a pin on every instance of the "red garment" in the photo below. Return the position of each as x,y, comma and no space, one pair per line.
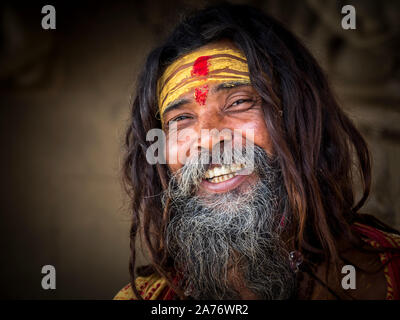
381,239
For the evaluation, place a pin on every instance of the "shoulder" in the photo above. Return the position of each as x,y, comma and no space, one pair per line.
153,287
376,237
389,244
376,268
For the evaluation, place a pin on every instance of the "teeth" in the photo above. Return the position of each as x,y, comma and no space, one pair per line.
222,172
222,178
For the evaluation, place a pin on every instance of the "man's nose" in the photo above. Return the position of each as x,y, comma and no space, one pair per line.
214,137
212,131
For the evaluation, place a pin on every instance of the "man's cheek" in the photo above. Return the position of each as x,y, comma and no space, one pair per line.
180,146
172,156
186,144
257,133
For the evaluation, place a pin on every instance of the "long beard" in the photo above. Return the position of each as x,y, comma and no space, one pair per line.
218,238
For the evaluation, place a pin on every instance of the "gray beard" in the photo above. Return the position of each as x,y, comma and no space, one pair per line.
217,238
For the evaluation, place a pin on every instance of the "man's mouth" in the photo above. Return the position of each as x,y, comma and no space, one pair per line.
222,173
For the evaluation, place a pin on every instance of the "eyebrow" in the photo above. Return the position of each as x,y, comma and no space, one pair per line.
223,86
230,85
176,104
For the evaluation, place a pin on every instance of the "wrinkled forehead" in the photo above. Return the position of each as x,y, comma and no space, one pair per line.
195,70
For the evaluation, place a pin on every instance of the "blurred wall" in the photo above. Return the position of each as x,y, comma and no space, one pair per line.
65,99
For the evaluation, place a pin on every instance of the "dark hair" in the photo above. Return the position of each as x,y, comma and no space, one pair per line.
312,138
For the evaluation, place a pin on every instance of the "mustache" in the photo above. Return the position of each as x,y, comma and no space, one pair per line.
209,235
187,179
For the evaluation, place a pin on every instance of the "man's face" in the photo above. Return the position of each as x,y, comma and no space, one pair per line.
224,229
220,106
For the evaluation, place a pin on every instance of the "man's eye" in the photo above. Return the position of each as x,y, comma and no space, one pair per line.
241,101
178,118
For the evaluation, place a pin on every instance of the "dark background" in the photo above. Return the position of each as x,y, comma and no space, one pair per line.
65,99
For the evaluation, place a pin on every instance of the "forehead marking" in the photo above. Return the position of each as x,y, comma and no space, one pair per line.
200,94
200,68
195,69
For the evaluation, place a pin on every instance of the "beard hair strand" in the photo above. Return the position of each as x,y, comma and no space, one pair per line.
215,238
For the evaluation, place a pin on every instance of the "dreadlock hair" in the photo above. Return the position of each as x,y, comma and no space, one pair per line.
313,140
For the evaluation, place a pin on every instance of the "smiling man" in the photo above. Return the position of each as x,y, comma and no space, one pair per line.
255,198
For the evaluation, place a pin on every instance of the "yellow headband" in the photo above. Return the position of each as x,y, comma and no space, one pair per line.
194,69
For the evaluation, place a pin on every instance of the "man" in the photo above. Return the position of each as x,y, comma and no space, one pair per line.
222,220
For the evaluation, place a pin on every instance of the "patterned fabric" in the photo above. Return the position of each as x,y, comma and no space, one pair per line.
155,287
152,287
380,239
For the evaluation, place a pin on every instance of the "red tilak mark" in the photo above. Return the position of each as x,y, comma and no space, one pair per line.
200,66
200,94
